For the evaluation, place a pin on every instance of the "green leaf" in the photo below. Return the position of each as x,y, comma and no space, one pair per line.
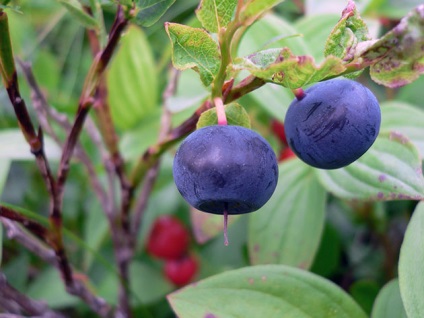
347,34
150,11
364,292
389,302
393,9
143,275
15,9
272,27
206,226
411,263
17,270
194,48
315,30
215,14
405,119
132,80
288,229
96,228
75,8
389,170
236,115
253,9
328,256
190,93
13,146
271,291
398,58
48,287
135,141
282,67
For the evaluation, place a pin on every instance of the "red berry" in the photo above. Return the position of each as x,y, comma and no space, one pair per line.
181,271
277,128
168,238
286,154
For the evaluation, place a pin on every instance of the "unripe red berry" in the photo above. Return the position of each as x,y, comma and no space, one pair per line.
286,154
181,271
277,128
168,238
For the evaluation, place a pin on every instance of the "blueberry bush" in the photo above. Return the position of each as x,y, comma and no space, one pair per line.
113,112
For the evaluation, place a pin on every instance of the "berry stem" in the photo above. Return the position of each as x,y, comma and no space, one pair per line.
299,93
226,227
220,111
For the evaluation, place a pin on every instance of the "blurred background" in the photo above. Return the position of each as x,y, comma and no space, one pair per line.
360,243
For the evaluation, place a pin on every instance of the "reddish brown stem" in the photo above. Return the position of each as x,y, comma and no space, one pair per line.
34,227
299,93
87,97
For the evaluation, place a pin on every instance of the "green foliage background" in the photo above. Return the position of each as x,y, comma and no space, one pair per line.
346,226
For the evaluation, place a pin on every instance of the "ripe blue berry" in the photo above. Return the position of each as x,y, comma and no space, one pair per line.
225,168
334,123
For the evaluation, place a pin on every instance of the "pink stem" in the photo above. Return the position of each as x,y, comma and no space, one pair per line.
220,111
299,93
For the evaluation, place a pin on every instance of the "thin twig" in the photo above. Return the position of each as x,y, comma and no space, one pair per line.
36,144
30,242
151,176
34,227
40,249
26,304
86,100
45,113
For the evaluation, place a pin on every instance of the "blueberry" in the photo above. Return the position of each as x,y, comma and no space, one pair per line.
334,124
225,169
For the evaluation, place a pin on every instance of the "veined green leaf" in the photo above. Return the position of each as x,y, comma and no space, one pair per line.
194,48
406,119
345,36
215,14
236,115
282,67
398,54
389,302
150,11
132,80
75,8
271,291
389,170
411,263
288,229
